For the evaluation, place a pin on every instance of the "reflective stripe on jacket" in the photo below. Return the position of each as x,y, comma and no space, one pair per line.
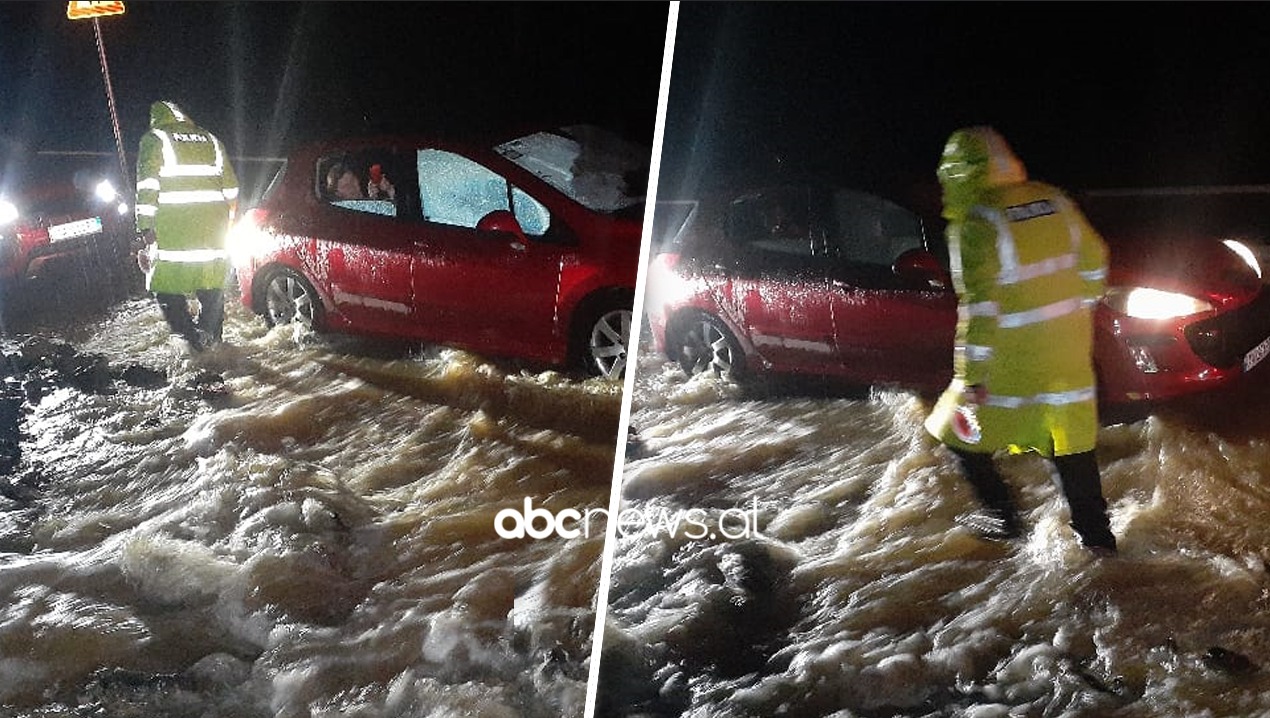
186,192
1028,269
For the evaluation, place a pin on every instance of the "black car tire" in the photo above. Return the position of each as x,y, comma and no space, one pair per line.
700,343
288,297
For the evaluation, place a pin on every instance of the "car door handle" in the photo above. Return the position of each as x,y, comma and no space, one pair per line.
518,246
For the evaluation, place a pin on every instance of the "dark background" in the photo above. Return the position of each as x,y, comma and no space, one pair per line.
1091,95
265,76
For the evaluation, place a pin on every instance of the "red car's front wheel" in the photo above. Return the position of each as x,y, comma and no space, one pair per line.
702,344
288,298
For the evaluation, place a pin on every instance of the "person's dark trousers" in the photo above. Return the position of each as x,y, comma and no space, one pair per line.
207,329
1082,485
981,472
176,310
211,313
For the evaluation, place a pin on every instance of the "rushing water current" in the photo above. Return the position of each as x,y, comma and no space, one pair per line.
819,567
287,525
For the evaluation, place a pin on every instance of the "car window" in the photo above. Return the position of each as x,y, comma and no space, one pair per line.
457,191
868,229
360,181
369,206
770,225
594,167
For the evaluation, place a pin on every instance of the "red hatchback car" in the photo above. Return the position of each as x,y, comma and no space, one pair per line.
833,282
525,247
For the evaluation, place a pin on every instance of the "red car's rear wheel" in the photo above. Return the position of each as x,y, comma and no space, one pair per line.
606,350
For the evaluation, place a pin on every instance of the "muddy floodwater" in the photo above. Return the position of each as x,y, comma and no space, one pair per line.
802,557
288,525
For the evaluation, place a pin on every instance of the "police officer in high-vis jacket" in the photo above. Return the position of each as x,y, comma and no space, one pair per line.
187,194
1028,269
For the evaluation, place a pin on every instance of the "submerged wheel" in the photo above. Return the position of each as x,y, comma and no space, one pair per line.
703,344
606,348
289,298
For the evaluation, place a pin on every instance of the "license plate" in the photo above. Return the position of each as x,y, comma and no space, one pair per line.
1258,353
71,230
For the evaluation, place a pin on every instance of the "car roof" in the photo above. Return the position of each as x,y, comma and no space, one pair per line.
479,140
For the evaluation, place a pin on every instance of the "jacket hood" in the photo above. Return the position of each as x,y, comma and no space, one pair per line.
975,161
165,112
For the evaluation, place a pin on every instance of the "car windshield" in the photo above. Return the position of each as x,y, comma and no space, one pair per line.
274,183
86,192
593,166
669,221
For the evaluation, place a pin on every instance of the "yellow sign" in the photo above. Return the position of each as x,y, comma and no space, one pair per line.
81,10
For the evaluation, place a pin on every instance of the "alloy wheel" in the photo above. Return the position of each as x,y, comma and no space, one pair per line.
607,346
706,347
289,299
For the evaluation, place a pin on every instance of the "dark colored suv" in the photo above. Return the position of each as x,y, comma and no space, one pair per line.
83,216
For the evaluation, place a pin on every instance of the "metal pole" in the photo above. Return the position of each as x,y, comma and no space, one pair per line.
110,100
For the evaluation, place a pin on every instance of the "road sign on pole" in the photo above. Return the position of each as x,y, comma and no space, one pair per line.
93,11
81,10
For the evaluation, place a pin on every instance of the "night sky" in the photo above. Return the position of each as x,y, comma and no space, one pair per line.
1091,95
265,76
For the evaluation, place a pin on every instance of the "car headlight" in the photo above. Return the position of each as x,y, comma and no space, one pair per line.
8,212
105,191
1245,254
242,241
1148,303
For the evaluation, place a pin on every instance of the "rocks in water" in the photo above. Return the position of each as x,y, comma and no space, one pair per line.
41,365
143,377
1229,662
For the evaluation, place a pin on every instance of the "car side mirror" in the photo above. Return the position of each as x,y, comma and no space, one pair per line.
503,222
921,267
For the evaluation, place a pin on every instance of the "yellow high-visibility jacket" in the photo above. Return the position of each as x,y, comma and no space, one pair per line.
1028,269
187,193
